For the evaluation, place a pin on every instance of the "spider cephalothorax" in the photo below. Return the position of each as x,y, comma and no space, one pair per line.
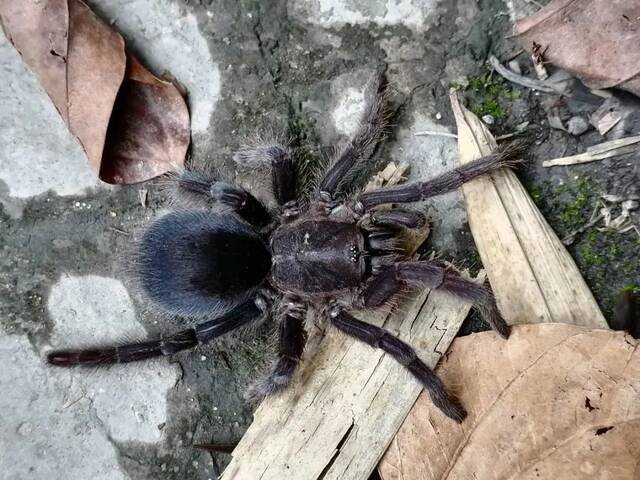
228,260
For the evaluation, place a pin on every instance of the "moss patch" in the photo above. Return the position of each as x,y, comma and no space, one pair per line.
489,96
608,260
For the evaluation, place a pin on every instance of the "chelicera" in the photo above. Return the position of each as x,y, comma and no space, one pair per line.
227,260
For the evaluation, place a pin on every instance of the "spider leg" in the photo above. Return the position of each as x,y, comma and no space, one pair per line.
183,340
207,191
396,218
364,143
391,280
505,156
292,338
404,354
283,175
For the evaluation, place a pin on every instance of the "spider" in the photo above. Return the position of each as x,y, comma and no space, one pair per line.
227,260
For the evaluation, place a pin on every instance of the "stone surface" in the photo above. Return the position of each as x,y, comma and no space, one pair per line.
63,423
292,69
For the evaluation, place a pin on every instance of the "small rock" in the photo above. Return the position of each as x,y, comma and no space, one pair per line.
488,119
577,125
438,116
514,66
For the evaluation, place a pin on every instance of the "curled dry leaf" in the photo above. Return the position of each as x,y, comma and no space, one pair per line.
132,125
596,40
554,401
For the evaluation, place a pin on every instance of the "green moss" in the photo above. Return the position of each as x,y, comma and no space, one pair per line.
589,251
577,210
488,96
608,260
536,192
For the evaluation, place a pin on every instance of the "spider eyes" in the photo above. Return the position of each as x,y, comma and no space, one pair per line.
354,253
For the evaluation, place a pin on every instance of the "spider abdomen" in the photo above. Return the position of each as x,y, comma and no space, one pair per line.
317,256
198,262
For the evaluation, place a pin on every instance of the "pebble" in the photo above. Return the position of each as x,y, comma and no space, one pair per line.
577,125
514,66
488,119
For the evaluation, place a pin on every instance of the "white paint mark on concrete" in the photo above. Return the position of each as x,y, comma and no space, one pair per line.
348,93
349,110
336,13
37,152
169,41
129,399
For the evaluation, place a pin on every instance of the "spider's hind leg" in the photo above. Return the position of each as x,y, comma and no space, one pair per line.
202,190
283,175
183,340
437,277
291,341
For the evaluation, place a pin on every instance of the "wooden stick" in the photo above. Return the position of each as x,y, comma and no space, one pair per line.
513,77
347,401
601,151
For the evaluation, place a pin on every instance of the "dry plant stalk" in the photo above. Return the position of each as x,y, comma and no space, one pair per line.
612,148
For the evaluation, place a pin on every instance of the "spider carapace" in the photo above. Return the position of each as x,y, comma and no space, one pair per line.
225,260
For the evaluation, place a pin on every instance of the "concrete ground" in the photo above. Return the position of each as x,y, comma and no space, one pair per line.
292,67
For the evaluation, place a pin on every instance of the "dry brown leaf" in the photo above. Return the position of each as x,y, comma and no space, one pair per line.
554,402
596,40
132,125
144,140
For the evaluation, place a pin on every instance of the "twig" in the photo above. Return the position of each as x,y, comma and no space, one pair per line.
519,79
424,133
569,239
601,151
119,230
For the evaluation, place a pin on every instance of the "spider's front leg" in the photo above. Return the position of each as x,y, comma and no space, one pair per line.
291,341
364,143
404,354
506,156
394,218
391,280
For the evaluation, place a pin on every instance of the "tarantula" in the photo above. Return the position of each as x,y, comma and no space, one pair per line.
229,260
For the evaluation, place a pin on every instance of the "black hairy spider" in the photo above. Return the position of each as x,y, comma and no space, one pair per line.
231,260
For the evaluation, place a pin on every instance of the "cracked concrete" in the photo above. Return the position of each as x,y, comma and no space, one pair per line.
289,68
